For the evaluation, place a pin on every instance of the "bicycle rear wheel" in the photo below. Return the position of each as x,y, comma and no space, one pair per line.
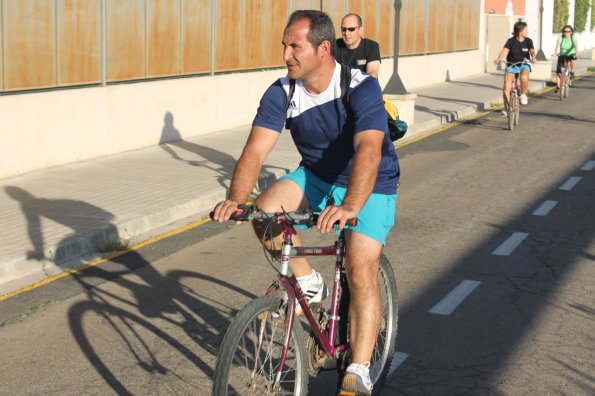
386,342
512,99
250,354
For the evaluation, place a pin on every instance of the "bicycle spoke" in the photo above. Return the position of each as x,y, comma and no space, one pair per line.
257,357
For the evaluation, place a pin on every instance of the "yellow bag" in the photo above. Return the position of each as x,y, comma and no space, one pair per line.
396,127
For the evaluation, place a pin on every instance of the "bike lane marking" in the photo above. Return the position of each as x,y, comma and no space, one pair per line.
509,245
570,183
545,208
398,359
453,299
589,166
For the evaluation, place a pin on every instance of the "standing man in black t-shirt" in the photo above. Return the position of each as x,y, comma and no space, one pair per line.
356,51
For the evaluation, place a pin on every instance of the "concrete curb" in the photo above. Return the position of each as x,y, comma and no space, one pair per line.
72,252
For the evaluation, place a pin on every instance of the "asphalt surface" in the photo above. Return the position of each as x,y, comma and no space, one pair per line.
151,321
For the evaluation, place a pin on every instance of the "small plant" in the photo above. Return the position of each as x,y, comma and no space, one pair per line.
108,246
581,9
561,14
591,69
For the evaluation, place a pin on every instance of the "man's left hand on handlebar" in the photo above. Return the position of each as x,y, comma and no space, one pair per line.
331,214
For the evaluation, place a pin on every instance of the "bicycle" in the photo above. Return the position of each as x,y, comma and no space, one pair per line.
264,350
564,78
514,96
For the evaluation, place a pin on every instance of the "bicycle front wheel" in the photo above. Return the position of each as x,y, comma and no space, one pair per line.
386,342
567,87
250,354
512,100
517,113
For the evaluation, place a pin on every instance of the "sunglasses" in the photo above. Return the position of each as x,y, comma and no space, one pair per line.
351,29
567,31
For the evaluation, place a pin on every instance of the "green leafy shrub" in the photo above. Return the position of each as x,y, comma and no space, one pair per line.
592,14
581,9
561,14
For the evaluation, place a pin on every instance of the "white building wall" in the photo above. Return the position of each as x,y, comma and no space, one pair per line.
45,129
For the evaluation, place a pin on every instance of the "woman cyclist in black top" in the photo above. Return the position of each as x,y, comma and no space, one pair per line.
518,49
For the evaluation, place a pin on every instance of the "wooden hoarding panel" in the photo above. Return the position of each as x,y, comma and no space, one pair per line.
79,41
370,19
355,7
468,28
441,25
228,27
279,15
304,4
163,37
336,10
196,36
385,31
255,25
125,25
29,44
412,33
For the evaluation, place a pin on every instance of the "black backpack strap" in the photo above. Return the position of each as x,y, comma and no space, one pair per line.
290,92
345,82
289,96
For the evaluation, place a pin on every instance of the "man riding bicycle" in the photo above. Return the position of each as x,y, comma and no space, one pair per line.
518,49
349,169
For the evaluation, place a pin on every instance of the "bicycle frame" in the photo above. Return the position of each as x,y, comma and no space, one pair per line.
294,291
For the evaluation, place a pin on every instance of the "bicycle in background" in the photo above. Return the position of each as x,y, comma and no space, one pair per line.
514,105
265,351
564,78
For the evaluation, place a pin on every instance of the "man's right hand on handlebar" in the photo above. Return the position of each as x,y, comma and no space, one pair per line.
224,210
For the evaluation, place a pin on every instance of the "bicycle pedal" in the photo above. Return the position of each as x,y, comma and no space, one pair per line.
314,308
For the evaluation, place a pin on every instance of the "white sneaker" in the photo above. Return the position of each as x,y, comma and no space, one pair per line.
524,100
356,380
504,113
314,289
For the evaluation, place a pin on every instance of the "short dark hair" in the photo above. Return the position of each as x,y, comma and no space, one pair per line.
518,28
321,27
569,27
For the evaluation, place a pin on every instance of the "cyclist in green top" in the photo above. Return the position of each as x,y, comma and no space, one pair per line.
566,48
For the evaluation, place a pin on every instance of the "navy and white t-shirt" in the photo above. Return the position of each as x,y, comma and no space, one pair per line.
323,129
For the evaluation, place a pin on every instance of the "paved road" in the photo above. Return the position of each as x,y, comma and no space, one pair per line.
504,219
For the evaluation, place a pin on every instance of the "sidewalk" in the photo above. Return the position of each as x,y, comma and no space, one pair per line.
55,219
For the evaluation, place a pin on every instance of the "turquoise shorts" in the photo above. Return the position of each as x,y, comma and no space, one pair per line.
517,68
375,219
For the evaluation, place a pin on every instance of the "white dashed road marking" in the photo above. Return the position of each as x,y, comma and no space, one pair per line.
570,183
508,246
545,208
454,298
398,358
589,166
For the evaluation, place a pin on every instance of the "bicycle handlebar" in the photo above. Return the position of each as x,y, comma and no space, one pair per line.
306,217
525,62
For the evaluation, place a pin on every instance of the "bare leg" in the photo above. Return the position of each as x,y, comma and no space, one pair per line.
524,81
365,308
283,195
506,89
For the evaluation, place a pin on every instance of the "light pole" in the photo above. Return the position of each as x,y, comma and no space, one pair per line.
540,55
395,84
